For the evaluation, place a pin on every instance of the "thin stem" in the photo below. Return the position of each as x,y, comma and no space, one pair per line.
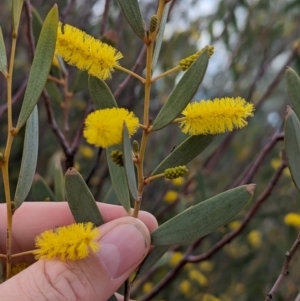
152,178
285,268
5,172
177,68
179,119
3,256
131,73
22,254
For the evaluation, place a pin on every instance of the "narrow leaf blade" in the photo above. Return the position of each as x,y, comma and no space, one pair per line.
292,145
40,66
101,94
29,158
128,164
103,98
133,15
16,9
184,153
80,199
3,58
118,179
182,93
41,191
59,187
293,87
151,259
160,35
203,218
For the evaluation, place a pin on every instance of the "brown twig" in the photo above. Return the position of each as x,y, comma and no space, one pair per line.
16,96
249,173
137,64
29,28
127,287
51,119
188,257
104,18
66,10
285,268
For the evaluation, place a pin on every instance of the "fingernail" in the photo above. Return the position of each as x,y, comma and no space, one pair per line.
122,248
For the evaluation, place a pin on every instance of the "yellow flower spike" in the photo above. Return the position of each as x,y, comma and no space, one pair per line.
171,196
188,61
255,238
104,127
85,52
292,219
175,172
73,242
217,116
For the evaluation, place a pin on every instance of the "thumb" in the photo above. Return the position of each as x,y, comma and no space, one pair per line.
124,243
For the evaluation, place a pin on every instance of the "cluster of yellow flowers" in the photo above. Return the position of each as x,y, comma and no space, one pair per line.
103,128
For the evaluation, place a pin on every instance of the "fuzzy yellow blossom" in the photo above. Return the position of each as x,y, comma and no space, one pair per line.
104,127
199,277
215,116
292,219
209,297
86,152
185,287
234,225
178,182
71,242
206,266
171,196
147,287
85,52
18,267
176,257
254,238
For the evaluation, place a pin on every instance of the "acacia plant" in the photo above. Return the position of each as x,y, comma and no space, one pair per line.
110,127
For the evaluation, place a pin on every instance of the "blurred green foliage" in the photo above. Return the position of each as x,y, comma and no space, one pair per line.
254,41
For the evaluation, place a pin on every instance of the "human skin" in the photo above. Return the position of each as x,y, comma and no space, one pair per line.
124,243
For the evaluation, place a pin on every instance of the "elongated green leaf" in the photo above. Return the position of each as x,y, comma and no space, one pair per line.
150,260
103,98
40,66
59,187
133,15
292,144
54,93
160,34
183,92
293,87
37,23
29,158
118,178
128,164
101,94
3,58
184,153
41,191
81,201
80,82
16,9
203,218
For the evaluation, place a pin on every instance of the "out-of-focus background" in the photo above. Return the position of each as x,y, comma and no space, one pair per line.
254,41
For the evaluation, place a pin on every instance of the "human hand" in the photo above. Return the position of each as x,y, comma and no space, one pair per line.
124,243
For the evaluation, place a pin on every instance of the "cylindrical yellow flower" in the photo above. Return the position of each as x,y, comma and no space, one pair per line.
85,52
104,127
72,242
217,116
